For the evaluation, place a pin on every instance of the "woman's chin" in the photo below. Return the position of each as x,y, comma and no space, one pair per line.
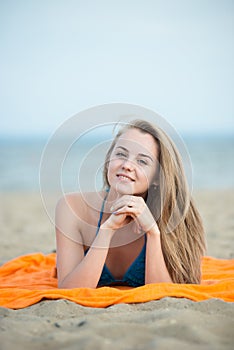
124,189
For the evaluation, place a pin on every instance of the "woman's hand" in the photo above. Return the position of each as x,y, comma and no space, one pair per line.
114,222
128,208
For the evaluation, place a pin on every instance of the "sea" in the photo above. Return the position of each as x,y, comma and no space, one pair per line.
38,164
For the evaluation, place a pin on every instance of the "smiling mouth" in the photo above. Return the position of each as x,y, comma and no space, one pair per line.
125,177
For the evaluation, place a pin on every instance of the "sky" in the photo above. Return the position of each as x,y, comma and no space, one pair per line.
59,57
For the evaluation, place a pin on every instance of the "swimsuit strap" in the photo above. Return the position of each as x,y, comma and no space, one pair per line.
102,210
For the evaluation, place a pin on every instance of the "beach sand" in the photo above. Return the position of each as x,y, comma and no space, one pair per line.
163,324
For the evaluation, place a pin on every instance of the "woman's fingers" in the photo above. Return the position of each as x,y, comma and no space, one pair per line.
126,201
142,216
118,221
125,210
136,208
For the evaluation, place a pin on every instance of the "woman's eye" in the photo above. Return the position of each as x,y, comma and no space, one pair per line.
142,162
121,154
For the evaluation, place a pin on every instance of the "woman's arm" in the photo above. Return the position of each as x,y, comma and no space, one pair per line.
155,267
76,270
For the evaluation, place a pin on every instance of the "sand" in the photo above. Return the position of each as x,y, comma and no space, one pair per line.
163,324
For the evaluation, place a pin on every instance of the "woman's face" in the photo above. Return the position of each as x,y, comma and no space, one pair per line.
133,163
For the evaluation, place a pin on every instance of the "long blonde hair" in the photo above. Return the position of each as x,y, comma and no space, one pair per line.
182,232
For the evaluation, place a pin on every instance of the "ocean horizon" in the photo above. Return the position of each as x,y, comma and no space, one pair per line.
211,159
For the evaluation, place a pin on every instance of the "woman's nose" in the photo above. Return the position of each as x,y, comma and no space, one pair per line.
128,165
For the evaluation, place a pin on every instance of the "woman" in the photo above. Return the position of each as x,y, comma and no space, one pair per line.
146,228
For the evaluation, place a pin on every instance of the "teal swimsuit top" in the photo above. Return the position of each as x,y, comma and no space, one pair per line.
135,274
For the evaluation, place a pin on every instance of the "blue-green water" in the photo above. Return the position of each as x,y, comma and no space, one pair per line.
211,157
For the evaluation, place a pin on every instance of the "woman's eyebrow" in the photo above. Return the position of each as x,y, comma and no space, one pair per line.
139,154
123,148
145,155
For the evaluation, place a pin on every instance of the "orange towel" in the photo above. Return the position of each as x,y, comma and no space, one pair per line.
28,279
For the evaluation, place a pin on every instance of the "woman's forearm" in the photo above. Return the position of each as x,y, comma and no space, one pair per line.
87,273
155,267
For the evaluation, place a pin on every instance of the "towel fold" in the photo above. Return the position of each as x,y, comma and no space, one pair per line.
30,278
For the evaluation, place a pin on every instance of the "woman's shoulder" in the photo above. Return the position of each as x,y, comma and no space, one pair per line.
82,201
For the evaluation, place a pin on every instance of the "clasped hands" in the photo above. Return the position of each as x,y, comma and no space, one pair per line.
128,208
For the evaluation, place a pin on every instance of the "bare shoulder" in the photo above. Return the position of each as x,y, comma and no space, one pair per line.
78,214
86,205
